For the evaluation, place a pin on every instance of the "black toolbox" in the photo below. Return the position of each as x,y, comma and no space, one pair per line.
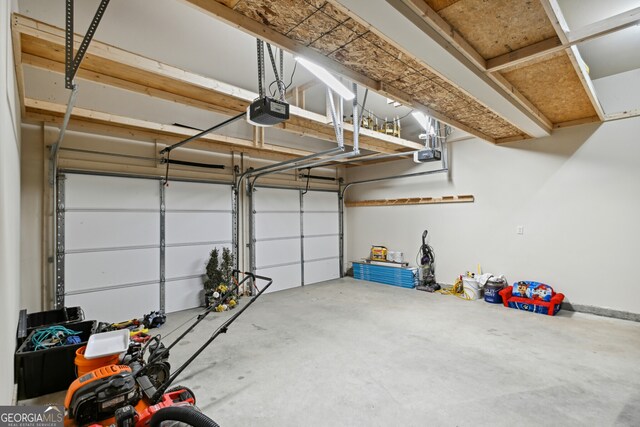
46,371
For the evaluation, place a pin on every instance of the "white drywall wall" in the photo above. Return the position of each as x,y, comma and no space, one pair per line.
9,206
575,193
32,178
619,92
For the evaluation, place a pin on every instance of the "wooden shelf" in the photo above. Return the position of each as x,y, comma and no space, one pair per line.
466,198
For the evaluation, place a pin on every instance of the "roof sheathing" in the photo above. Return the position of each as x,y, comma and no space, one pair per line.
323,27
498,27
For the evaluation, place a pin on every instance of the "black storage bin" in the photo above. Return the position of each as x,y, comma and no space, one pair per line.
45,318
54,317
50,370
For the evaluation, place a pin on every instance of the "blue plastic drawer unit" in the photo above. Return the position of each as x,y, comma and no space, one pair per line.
403,277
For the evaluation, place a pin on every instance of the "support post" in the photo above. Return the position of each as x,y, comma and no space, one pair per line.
60,243
162,246
301,237
341,228
252,237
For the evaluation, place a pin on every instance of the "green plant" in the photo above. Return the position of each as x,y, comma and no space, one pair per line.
226,268
214,275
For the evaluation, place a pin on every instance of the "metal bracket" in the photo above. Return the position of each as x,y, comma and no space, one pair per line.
336,117
73,63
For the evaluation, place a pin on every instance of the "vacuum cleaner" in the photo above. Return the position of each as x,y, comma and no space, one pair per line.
427,266
130,395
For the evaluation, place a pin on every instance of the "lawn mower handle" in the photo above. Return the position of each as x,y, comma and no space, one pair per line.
201,316
221,330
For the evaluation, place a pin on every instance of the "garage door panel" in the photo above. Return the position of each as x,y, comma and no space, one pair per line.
117,305
107,192
276,199
197,196
321,201
195,227
183,261
320,223
93,270
93,230
273,252
273,225
285,277
321,271
184,294
320,247
198,218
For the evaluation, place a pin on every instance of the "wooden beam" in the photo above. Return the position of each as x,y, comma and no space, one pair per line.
404,98
43,47
435,21
553,11
467,198
555,44
511,139
229,16
606,26
525,54
576,122
17,63
256,29
52,113
459,44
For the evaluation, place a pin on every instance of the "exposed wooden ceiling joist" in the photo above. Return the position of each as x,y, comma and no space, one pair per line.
552,9
511,32
554,44
42,46
325,33
90,120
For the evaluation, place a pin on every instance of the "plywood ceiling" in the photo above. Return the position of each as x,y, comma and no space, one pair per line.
322,26
499,27
492,29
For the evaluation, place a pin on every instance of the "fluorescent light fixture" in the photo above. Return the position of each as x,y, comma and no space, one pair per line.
421,118
327,78
424,121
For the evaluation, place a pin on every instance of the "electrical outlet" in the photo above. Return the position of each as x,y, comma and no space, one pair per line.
520,229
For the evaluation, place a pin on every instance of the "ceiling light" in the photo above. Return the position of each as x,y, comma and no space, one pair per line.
327,78
421,118
424,121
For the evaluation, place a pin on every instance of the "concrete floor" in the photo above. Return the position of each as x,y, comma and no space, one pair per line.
352,353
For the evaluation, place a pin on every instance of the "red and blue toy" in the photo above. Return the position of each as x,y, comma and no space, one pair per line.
532,296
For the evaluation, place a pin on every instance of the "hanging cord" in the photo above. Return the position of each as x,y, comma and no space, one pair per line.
306,190
286,88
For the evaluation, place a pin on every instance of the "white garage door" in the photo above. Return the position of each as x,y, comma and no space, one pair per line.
288,238
112,246
112,254
197,219
320,236
277,236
